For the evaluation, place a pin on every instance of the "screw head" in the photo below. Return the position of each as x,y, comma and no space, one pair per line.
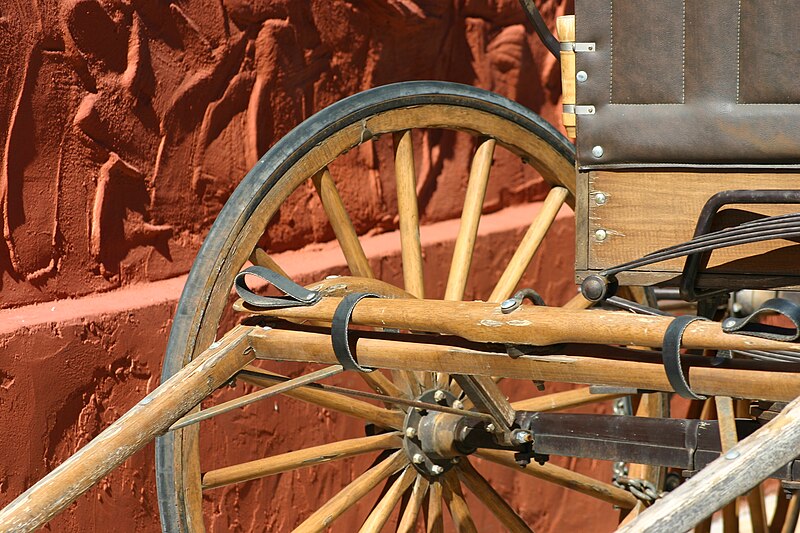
508,304
731,455
490,427
411,432
597,151
418,459
600,198
729,323
436,470
458,404
438,395
581,76
600,235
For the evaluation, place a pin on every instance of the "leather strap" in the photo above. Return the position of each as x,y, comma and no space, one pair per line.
296,295
671,355
748,325
339,331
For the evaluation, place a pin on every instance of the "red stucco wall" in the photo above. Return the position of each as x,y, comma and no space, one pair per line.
125,125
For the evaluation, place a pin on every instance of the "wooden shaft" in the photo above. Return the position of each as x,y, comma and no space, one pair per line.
335,402
380,514
563,400
435,516
529,324
406,177
285,462
711,381
564,478
491,499
459,510
257,396
470,218
565,28
530,243
408,522
352,493
342,225
141,424
577,302
748,463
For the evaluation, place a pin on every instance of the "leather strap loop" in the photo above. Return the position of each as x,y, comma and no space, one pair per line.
748,325
339,331
671,355
296,295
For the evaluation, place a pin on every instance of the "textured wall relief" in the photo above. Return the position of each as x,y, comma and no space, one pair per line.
126,124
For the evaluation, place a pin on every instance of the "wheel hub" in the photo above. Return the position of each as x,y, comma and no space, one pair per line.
429,436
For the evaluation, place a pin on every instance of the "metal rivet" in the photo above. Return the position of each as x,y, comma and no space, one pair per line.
731,455
581,76
729,323
436,469
597,151
455,460
438,395
411,433
418,459
490,427
600,198
590,109
458,404
600,235
508,304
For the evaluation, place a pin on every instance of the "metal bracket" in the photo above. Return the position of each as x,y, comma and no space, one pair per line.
579,109
578,47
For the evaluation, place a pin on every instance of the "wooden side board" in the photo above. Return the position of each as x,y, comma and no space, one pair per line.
643,211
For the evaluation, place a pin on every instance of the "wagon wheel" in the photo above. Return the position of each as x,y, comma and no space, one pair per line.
305,154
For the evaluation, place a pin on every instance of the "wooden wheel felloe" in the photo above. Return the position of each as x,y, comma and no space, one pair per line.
306,154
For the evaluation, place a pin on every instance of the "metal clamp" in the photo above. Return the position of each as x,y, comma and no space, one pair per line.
296,295
340,328
579,109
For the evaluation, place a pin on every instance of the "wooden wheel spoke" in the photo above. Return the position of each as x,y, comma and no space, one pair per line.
470,218
530,243
408,211
293,460
342,225
459,510
564,400
260,258
380,514
253,397
486,494
408,521
435,517
565,478
329,400
353,492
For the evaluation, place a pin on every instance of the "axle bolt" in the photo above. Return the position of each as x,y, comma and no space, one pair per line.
411,432
438,395
490,427
522,437
436,469
458,404
418,459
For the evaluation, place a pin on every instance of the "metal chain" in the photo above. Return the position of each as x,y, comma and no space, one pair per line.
641,488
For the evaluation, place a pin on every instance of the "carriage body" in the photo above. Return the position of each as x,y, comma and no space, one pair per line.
668,114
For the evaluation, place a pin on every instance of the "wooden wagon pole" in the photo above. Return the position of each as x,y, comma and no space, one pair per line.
740,379
535,325
743,467
147,419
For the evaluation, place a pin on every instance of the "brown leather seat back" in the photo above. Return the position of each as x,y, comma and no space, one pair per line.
689,83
